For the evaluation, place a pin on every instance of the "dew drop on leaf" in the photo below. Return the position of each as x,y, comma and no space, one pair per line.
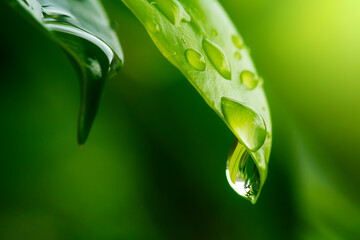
217,58
237,41
249,79
56,14
242,173
153,27
248,125
172,10
196,59
237,55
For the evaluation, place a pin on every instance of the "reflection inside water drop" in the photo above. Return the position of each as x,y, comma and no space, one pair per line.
242,173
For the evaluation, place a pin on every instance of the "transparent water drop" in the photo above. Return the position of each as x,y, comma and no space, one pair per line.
57,14
153,27
242,173
196,59
237,41
247,124
237,55
249,79
217,58
172,10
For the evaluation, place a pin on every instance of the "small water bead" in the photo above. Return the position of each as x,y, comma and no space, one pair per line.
214,33
57,14
237,55
172,10
237,41
153,27
242,173
217,58
249,79
246,123
196,59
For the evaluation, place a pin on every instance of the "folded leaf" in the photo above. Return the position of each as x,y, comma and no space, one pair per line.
199,39
83,30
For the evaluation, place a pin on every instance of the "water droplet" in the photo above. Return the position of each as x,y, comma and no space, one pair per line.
217,58
214,33
56,14
242,173
249,79
246,123
237,55
153,27
172,10
237,41
196,59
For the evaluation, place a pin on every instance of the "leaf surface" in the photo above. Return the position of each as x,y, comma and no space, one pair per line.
83,30
198,38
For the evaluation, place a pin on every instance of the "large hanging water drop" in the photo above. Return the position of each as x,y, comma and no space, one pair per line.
242,173
248,125
196,59
172,10
218,58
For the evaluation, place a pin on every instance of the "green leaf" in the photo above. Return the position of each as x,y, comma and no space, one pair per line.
199,39
83,30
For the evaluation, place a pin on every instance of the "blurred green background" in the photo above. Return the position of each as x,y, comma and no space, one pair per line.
154,164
